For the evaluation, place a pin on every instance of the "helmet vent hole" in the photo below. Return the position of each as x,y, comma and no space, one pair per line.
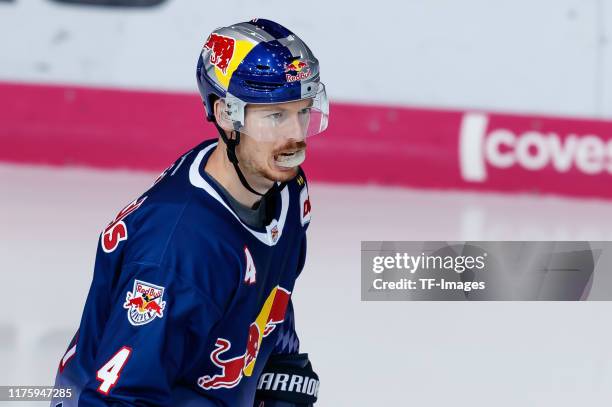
263,67
264,86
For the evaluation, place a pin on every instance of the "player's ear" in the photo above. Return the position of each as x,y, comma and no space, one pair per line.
221,117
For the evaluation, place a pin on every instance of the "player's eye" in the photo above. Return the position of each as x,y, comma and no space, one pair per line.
275,116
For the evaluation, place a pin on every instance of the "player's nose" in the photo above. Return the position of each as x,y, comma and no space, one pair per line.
296,128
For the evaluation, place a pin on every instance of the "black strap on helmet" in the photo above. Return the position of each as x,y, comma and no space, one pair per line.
231,154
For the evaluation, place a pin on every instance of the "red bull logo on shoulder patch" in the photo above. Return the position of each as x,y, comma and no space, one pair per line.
235,368
144,303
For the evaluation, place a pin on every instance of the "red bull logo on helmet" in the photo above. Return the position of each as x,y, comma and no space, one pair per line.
235,368
144,303
221,50
297,71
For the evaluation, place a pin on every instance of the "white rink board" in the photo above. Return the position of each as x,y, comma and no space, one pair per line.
543,56
367,354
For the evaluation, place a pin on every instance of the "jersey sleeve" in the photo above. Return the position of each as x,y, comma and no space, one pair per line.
288,341
141,352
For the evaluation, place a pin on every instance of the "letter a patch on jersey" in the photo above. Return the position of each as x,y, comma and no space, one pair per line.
144,303
249,272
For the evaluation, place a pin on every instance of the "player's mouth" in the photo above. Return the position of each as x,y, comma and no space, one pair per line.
290,159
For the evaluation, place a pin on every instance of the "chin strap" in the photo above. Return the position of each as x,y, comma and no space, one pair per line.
231,154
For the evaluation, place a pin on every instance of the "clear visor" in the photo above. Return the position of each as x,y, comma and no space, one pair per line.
290,120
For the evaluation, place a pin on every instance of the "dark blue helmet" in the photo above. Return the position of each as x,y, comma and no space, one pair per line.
260,62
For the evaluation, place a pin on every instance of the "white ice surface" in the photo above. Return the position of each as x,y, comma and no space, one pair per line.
503,354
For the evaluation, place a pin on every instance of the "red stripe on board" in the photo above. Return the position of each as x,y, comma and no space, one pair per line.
97,127
110,128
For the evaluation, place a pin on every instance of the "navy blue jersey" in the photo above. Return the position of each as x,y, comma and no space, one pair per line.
187,302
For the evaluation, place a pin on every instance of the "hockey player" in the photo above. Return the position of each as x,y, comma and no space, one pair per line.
190,303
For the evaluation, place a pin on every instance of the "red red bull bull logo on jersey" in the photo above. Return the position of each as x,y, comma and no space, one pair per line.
144,303
221,50
297,71
234,369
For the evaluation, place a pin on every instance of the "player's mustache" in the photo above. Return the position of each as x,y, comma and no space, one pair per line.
292,146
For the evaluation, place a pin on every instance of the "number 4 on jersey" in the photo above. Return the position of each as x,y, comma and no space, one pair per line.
110,372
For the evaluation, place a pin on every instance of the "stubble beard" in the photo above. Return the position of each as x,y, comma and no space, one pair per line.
264,171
